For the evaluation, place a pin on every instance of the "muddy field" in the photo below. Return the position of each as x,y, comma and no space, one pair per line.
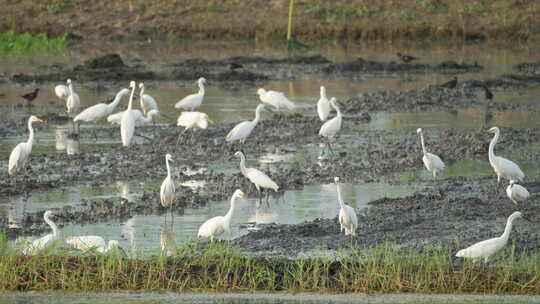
455,211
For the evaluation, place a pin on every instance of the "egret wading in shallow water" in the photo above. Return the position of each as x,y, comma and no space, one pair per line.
432,162
242,130
47,241
347,216
72,104
20,154
62,91
330,128
516,193
192,120
193,101
92,242
277,100
323,105
167,191
485,249
127,124
147,102
100,110
257,177
503,167
216,226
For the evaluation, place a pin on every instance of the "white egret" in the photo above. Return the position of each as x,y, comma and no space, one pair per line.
167,191
257,177
192,120
516,193
72,102
147,102
216,226
275,99
485,249
323,105
433,163
242,130
46,241
100,110
20,154
91,242
193,101
503,167
140,119
127,124
347,216
62,91
330,128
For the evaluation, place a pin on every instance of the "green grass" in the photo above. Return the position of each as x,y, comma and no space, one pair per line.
220,267
19,45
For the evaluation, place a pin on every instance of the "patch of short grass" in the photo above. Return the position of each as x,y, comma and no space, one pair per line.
13,44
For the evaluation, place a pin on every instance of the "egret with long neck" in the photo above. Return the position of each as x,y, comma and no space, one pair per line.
257,177
216,226
432,162
127,125
503,167
348,220
242,130
20,154
167,191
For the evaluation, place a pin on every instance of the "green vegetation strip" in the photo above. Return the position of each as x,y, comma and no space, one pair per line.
218,267
14,45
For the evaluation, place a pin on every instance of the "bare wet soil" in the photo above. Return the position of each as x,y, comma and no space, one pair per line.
452,212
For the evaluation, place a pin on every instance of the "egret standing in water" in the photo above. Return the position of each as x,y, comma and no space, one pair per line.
62,91
167,192
127,125
516,193
242,130
147,102
193,101
277,100
92,242
433,163
330,128
192,120
257,177
46,241
20,154
216,226
503,167
323,105
72,104
485,249
347,216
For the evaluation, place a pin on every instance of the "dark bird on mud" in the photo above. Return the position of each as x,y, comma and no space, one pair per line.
234,66
31,96
487,93
450,84
406,58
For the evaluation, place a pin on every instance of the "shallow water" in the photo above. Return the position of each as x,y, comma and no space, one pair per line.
141,233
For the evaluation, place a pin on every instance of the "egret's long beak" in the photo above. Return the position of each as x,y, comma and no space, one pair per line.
39,120
170,160
210,121
243,195
526,218
487,131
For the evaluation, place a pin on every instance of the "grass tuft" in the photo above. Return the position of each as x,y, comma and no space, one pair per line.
18,45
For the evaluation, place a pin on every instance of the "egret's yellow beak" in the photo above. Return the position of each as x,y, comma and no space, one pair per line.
39,120
243,195
488,131
210,121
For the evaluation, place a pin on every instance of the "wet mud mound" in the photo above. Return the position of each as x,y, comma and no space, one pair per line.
529,68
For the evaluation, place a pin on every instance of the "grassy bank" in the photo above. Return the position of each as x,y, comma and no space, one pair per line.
262,19
222,268
14,44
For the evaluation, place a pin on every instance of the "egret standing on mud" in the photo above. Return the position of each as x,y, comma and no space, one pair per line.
192,120
257,177
216,226
323,105
100,110
485,249
20,154
516,193
330,128
167,191
147,102
193,101
347,216
277,100
503,167
92,242
242,130
433,163
73,102
127,125
62,91
46,241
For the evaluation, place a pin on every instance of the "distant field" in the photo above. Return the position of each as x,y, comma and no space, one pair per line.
514,20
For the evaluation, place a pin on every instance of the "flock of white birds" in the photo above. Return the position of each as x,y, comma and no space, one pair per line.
214,227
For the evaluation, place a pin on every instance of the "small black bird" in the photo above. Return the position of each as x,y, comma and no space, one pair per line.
487,93
31,96
450,84
406,58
